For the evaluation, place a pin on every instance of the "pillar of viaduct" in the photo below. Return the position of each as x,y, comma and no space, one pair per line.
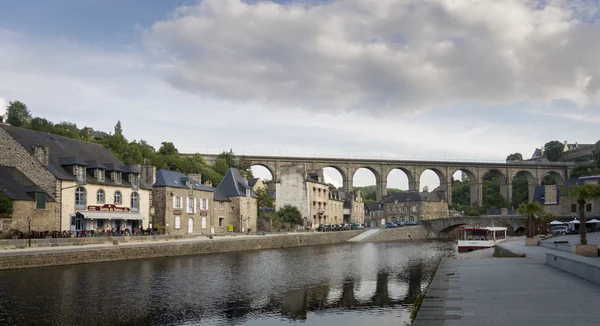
474,172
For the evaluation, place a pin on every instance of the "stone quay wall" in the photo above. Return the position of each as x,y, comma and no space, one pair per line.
62,242
416,232
81,255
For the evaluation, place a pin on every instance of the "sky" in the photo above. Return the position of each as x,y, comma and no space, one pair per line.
405,79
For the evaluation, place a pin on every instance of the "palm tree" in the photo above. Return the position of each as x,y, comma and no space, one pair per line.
583,194
531,211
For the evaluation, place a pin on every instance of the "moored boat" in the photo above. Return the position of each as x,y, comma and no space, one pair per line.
472,238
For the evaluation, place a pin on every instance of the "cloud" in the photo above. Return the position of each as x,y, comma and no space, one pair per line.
382,56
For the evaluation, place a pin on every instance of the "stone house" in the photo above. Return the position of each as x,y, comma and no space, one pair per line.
235,206
28,200
93,189
555,202
414,207
182,204
354,210
373,214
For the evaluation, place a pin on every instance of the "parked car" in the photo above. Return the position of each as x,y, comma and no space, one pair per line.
559,230
390,225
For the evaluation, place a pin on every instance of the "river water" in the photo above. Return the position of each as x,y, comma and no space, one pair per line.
343,284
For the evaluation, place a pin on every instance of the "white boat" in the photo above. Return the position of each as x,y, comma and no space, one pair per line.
480,238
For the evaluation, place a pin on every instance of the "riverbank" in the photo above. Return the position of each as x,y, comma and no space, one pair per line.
105,252
478,289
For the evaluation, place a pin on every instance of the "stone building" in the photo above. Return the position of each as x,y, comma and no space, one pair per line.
373,214
92,188
555,202
235,204
28,200
354,208
414,207
182,204
570,150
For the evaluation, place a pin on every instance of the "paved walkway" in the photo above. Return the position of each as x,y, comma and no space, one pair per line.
364,235
592,238
508,291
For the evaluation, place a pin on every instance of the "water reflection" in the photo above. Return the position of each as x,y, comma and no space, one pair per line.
316,285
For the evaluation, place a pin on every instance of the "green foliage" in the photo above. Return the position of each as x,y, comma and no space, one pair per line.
585,170
231,161
553,150
531,211
264,198
6,206
520,192
369,193
416,306
514,157
492,199
289,215
549,180
17,114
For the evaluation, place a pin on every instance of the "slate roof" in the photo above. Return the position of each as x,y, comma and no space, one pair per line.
537,153
412,196
252,182
232,185
372,207
63,151
17,186
166,178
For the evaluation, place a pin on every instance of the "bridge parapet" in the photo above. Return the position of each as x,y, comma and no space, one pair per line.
445,227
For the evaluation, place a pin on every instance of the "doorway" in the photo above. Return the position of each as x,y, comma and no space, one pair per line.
190,226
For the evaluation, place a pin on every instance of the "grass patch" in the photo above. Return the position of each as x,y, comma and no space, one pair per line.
503,253
416,305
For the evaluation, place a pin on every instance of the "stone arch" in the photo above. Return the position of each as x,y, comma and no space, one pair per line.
516,185
449,232
443,179
558,177
346,183
270,169
503,189
375,172
409,175
473,186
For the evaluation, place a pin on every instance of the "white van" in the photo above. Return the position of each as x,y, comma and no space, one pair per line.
559,230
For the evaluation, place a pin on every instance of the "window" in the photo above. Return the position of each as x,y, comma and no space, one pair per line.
100,196
117,176
204,204
80,198
117,197
191,205
231,209
134,180
99,224
100,174
177,202
204,222
135,201
248,192
40,200
221,222
177,223
221,205
574,208
588,207
80,173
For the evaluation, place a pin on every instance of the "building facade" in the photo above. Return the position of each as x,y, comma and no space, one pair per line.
28,200
235,206
183,205
92,188
555,202
414,207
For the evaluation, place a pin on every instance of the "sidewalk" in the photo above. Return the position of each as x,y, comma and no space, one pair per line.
508,291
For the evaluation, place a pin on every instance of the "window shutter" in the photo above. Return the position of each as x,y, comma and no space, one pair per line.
194,206
174,202
187,205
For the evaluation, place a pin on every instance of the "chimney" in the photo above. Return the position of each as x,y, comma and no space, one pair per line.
148,174
576,144
196,177
208,183
41,154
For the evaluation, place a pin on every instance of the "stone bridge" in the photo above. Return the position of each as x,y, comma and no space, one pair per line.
445,227
381,168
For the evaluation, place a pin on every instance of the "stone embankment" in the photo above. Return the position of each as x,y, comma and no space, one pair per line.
85,241
41,257
416,232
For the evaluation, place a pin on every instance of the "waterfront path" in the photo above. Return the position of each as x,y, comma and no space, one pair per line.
508,291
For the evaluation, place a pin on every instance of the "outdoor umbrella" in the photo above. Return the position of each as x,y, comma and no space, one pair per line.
557,223
593,221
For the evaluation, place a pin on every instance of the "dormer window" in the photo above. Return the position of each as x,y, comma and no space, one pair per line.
134,180
100,174
116,176
80,173
247,192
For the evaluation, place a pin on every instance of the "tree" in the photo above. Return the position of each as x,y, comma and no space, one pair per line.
290,215
264,198
531,211
553,150
583,194
514,157
167,148
17,114
6,206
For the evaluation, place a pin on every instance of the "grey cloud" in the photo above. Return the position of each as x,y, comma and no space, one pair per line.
383,56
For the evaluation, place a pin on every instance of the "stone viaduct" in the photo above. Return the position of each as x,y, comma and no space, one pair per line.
534,171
